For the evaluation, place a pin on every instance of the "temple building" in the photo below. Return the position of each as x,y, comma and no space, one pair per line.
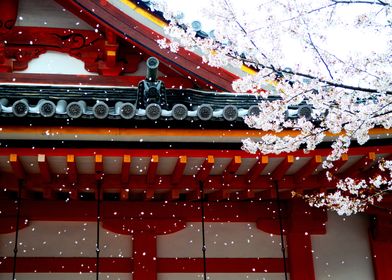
120,160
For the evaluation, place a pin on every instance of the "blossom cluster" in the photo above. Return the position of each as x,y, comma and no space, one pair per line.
305,52
352,196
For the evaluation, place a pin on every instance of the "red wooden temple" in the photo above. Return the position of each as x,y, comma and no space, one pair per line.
147,172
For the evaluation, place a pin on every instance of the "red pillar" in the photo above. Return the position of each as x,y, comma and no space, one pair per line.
144,256
300,256
144,234
380,237
303,222
382,259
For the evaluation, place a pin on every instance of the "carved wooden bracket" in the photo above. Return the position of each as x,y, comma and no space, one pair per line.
103,55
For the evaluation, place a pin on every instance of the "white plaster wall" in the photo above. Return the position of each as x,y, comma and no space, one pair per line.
65,239
341,254
56,63
47,13
230,240
344,252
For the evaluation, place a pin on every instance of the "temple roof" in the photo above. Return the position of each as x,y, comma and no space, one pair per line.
59,149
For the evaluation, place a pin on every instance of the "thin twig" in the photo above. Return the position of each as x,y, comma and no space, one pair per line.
289,71
319,55
380,3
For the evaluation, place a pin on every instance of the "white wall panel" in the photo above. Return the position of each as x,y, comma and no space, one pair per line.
65,239
56,63
343,253
241,240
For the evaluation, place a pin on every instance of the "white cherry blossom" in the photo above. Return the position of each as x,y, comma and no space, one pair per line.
335,56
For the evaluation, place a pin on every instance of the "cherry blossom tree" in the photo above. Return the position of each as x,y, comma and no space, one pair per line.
335,56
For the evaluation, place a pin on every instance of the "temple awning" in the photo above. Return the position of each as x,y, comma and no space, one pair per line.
154,174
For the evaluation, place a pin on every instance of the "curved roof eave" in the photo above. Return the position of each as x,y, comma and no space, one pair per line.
136,32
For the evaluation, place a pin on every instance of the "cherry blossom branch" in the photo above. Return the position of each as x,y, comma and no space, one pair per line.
291,72
243,30
319,55
353,195
381,3
354,98
307,13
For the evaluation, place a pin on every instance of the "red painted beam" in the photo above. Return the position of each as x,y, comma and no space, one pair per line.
65,265
282,168
309,167
112,183
126,265
221,265
254,173
17,167
71,168
89,80
76,210
179,169
98,159
231,169
148,226
363,164
339,163
126,165
205,168
44,168
219,153
152,170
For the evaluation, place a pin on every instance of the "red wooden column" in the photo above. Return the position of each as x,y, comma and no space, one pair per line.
303,222
144,234
380,237
300,256
144,256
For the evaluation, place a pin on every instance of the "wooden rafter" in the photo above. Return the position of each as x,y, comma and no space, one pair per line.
44,168
282,168
205,168
231,169
179,169
126,164
309,167
254,173
152,169
363,164
17,167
